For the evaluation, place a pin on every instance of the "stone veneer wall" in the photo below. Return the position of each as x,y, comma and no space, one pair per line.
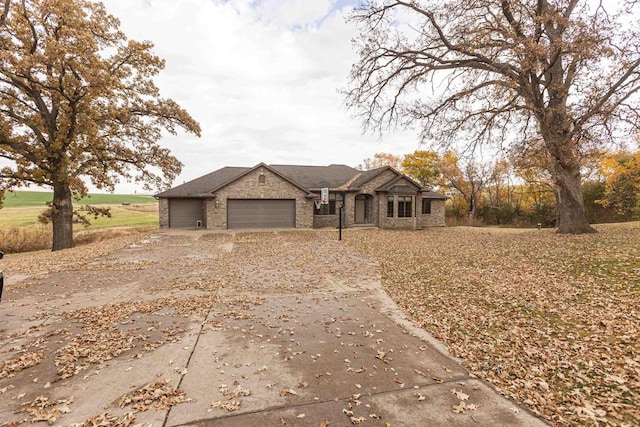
163,209
349,209
248,187
436,218
323,221
394,223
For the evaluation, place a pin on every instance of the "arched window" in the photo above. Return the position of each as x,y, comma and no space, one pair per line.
262,180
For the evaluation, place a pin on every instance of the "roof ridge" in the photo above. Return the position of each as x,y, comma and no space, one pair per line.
346,185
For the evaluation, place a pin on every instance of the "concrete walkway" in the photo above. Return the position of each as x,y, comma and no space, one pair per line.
294,338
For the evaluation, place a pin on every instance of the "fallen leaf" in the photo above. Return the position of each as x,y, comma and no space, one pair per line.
460,395
459,408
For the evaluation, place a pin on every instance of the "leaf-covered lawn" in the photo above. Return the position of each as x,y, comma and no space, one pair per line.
552,320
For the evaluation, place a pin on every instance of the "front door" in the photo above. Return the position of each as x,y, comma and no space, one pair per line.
362,209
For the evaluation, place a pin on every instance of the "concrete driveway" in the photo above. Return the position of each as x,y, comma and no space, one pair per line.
249,328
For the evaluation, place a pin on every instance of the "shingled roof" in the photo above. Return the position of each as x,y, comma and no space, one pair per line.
428,194
317,177
202,187
307,177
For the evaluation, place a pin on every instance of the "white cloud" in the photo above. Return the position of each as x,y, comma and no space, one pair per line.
295,14
261,77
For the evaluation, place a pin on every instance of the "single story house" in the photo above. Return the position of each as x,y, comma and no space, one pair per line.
287,196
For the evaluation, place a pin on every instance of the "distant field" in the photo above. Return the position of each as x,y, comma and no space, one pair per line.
22,208
40,198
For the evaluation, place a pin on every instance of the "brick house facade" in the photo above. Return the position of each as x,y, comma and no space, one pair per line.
287,196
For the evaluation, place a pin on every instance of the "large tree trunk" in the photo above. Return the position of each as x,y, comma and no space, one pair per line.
571,215
62,217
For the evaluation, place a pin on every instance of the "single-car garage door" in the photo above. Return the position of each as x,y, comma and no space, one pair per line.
186,213
261,213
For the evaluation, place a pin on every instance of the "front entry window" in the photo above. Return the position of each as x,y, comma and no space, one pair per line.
404,207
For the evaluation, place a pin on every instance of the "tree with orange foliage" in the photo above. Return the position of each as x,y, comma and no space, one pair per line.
468,179
77,101
382,159
621,172
423,166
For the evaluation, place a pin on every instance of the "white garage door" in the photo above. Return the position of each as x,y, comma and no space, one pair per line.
261,213
186,213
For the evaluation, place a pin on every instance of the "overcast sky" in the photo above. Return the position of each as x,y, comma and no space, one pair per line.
262,79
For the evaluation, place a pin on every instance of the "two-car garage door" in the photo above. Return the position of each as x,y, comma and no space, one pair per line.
261,213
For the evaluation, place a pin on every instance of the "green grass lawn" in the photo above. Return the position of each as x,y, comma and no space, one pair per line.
124,216
40,198
22,208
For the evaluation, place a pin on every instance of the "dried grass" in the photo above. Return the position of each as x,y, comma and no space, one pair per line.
39,237
25,239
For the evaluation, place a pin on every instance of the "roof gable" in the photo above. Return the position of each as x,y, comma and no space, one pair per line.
401,180
367,176
270,169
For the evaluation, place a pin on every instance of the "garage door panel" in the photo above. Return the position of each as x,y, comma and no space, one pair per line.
185,213
261,213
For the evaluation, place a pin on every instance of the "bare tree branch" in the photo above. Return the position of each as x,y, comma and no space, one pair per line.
508,70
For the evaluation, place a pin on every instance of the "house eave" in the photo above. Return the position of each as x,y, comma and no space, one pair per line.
186,196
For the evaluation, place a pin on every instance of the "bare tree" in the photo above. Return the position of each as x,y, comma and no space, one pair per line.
502,72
